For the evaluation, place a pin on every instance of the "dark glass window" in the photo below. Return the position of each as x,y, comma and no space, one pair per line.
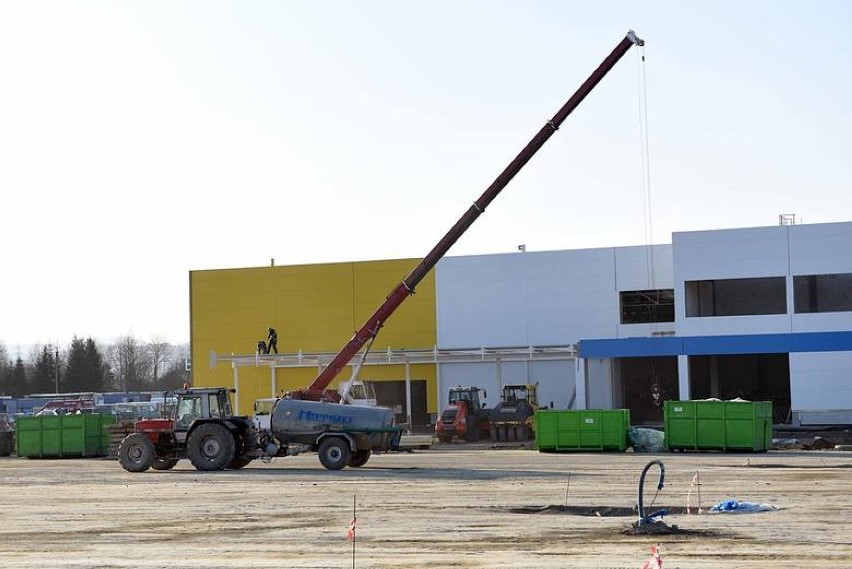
823,293
645,306
736,297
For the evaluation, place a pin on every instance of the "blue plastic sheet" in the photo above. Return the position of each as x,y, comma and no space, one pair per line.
737,507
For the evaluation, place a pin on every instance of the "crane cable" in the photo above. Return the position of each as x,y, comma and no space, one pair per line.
645,158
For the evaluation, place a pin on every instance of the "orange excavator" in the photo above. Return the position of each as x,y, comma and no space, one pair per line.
466,418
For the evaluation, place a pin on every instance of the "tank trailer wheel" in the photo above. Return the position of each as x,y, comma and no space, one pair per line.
334,453
164,463
239,462
359,458
136,453
210,447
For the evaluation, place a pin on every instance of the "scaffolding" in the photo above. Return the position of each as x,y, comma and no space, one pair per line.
405,358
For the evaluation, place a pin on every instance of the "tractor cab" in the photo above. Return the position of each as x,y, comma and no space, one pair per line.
518,393
468,394
195,404
466,418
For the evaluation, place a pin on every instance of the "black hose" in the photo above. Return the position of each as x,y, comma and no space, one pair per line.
643,519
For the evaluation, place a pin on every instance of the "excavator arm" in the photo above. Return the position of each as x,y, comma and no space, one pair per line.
371,327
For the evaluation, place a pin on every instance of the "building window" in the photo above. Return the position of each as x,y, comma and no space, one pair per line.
823,293
646,306
736,297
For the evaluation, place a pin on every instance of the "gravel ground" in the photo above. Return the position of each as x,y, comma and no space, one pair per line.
457,506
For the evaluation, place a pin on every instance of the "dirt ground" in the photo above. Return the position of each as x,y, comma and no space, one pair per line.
457,506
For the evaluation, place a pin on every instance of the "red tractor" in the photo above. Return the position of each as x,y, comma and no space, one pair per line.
202,428
465,418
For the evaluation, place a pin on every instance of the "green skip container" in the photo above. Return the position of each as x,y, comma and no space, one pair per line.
63,436
584,430
718,425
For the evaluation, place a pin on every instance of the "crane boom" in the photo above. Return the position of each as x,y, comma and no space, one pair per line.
406,287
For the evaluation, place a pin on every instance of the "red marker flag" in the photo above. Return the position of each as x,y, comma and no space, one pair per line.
350,532
656,560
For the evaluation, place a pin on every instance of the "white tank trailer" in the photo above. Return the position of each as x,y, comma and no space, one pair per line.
343,435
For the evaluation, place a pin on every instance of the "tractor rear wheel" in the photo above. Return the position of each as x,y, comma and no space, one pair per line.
359,458
210,447
136,453
164,463
334,453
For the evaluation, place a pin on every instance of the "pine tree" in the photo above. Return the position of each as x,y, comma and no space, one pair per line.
44,374
75,379
96,368
5,371
6,377
19,384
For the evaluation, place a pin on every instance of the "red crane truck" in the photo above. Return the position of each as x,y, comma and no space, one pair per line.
214,439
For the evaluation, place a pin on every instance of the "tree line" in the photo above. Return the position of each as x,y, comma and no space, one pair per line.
125,365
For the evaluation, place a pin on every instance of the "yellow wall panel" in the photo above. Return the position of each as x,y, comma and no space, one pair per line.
314,308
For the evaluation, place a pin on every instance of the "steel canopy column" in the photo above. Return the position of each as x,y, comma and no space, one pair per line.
236,388
408,394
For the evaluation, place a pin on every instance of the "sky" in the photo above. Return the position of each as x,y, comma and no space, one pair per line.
142,140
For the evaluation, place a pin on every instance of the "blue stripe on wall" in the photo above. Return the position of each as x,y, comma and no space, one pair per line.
707,345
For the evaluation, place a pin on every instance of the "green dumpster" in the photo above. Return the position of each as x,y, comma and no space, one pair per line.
63,436
583,430
718,425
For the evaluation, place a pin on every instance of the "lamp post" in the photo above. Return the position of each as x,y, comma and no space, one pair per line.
56,369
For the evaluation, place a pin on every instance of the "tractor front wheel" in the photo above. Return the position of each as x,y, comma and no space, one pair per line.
334,453
136,453
210,447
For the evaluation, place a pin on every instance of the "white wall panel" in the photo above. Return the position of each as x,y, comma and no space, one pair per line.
570,294
733,325
822,322
821,380
556,382
599,383
730,254
481,301
821,248
643,268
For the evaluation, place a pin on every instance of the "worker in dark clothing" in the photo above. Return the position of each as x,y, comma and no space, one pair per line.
272,341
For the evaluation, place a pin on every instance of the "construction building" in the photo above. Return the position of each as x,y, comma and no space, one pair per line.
759,313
